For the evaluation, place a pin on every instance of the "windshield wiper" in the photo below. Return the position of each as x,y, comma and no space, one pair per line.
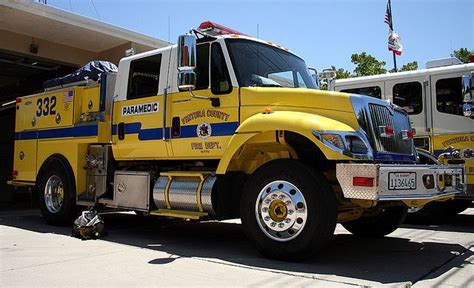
267,85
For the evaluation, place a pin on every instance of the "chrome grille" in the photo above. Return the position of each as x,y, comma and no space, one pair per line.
398,120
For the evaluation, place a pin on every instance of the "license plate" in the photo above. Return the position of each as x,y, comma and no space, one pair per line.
402,181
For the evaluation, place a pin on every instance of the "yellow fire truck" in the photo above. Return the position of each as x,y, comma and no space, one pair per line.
223,126
439,102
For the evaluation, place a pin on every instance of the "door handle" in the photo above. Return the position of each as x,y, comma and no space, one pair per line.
121,131
176,127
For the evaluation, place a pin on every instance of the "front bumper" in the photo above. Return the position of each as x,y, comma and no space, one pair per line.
400,182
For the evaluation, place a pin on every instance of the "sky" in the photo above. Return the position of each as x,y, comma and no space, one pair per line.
322,32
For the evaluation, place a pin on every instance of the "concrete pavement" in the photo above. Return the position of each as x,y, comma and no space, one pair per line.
178,253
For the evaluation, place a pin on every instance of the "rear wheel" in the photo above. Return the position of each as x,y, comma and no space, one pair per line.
437,211
456,206
377,223
288,210
57,193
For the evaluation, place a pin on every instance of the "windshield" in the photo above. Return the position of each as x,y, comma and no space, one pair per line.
260,65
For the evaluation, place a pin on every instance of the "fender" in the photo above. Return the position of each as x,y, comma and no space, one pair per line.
298,122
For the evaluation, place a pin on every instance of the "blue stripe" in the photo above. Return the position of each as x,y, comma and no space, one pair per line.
77,131
394,157
218,129
152,134
26,135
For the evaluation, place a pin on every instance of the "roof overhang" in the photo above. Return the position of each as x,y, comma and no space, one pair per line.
56,25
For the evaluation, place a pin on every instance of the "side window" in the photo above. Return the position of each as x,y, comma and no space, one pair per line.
409,97
220,79
372,91
202,68
301,83
449,98
144,77
283,78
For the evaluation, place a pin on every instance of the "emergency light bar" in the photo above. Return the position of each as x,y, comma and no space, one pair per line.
213,29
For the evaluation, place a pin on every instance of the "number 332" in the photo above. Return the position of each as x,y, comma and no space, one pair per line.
46,106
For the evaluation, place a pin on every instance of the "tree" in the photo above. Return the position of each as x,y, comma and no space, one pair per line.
462,54
409,66
366,65
341,73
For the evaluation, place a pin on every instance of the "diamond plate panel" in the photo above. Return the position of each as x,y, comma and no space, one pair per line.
345,173
182,193
159,192
206,194
381,174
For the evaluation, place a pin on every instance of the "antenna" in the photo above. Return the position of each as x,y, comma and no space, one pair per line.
169,28
95,9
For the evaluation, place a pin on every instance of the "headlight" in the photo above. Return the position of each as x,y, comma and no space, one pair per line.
351,144
334,139
356,145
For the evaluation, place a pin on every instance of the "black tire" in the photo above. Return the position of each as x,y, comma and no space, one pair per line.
321,206
65,213
377,224
434,212
456,206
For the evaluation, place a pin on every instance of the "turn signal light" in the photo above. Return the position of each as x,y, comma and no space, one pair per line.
407,134
386,131
363,181
267,110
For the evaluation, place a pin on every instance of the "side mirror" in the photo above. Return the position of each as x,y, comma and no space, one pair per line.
314,73
467,91
327,74
186,62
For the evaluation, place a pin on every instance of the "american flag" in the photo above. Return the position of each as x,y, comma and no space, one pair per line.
67,96
388,15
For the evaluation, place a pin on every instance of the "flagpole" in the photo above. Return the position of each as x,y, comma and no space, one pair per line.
391,27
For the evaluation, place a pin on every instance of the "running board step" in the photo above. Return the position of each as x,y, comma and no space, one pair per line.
178,214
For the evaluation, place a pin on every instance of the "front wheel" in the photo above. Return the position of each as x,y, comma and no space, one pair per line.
288,210
377,222
57,193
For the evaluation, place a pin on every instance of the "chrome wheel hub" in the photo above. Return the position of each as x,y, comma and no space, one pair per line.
281,210
54,194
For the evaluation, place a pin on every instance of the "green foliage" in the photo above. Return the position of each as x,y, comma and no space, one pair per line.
462,54
341,73
366,65
409,66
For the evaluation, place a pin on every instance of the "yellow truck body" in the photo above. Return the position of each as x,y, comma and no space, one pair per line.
153,139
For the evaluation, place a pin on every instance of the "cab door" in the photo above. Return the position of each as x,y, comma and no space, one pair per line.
201,128
411,95
138,124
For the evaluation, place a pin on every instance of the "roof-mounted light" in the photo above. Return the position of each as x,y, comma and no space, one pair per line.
213,29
